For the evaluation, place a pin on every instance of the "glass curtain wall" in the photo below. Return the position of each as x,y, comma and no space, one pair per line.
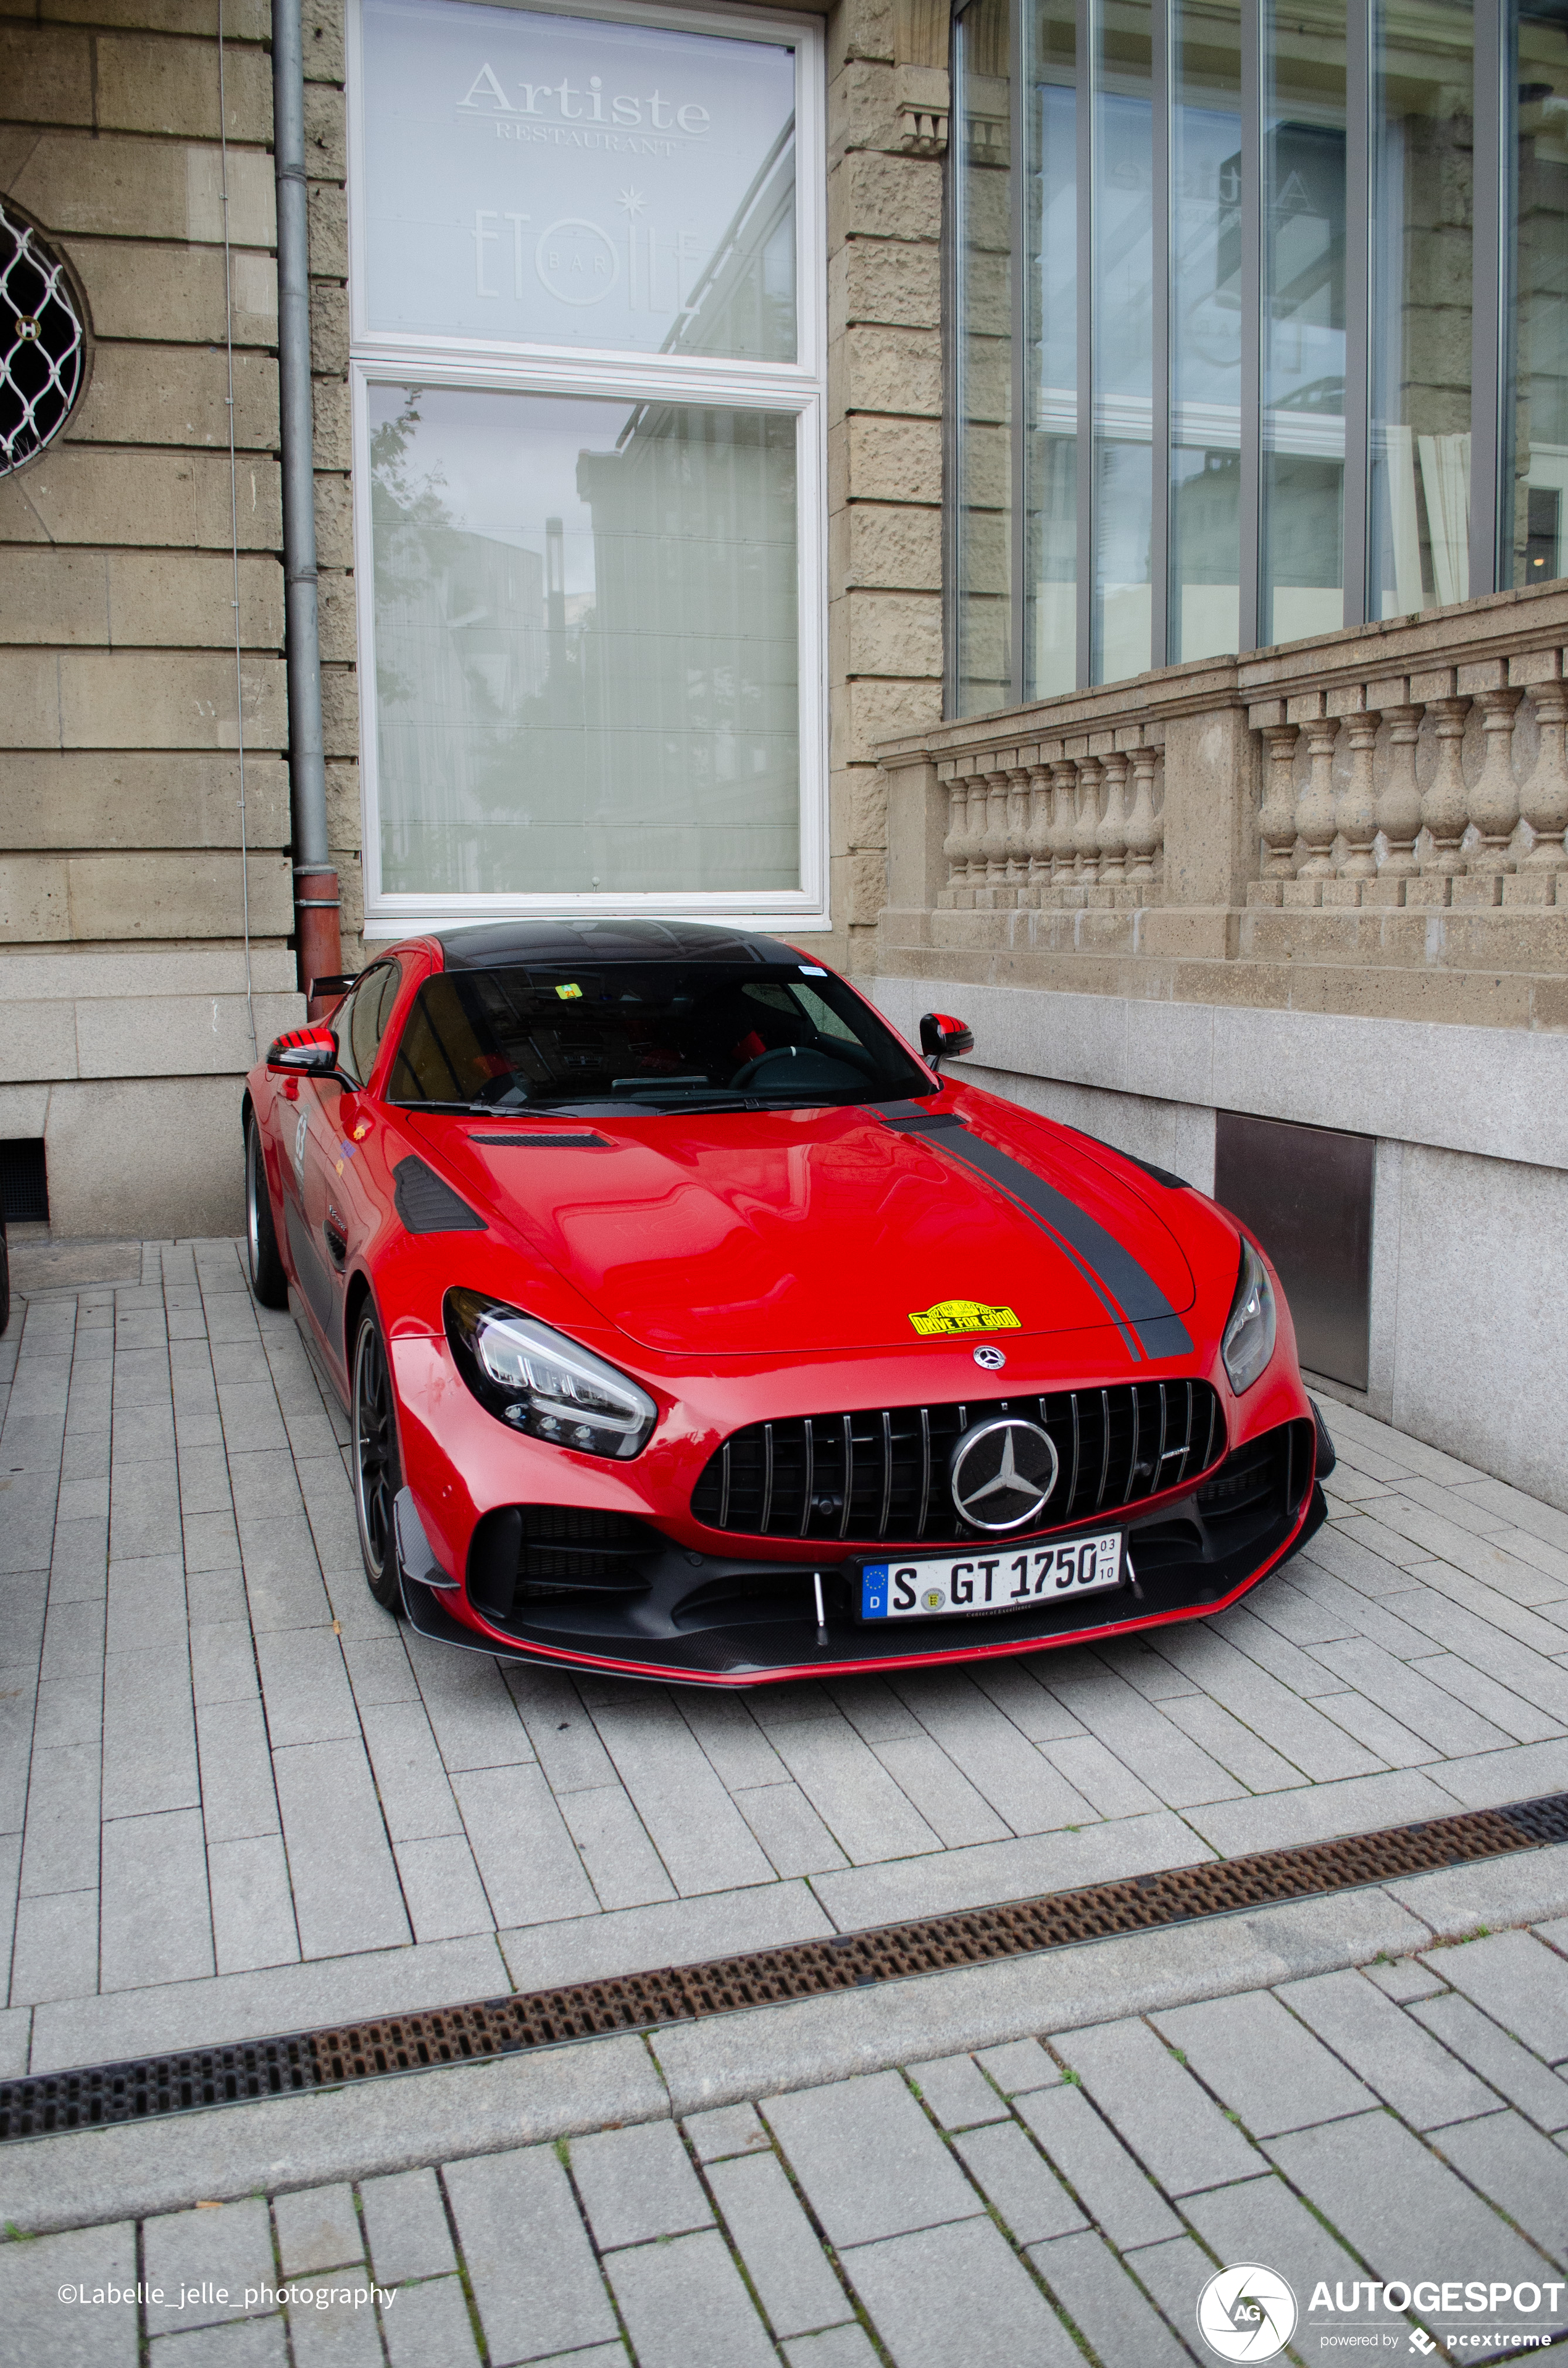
1291,347
1302,465
1206,306
1540,424
1421,173
1050,458
1123,312
982,165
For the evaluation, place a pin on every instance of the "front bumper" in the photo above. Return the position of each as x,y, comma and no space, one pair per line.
669,1613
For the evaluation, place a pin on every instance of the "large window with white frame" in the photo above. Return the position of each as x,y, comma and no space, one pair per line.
586,322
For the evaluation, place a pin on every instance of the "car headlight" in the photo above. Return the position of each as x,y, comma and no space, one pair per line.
537,1380
1247,1342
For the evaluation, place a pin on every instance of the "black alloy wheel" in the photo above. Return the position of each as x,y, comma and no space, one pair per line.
378,1475
263,1264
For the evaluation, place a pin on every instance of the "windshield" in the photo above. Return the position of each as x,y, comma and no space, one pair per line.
668,1036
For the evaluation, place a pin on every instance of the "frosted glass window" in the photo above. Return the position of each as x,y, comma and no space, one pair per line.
586,633
562,181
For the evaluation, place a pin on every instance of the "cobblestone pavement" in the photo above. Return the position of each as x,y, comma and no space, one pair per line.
1038,2205
237,1798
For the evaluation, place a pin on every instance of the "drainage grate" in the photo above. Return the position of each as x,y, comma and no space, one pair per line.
317,2059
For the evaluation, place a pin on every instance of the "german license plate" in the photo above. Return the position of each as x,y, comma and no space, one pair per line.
926,1587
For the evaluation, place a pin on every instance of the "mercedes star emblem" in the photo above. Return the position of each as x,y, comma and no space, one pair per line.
989,1359
1002,1473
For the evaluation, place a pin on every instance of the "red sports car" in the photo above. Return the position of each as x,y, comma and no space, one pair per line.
692,1325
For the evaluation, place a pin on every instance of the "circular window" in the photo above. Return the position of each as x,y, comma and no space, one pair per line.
43,343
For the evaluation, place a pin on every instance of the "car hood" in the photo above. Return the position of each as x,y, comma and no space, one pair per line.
789,1233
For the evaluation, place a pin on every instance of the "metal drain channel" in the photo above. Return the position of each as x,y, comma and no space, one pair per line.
102,2094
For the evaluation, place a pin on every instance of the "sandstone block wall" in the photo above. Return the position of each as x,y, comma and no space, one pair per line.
122,711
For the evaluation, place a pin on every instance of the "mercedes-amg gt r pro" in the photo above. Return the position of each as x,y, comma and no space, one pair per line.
692,1325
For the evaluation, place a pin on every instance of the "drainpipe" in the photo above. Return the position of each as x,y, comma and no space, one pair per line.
317,936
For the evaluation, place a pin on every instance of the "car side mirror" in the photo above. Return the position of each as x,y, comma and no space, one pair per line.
303,1053
941,1034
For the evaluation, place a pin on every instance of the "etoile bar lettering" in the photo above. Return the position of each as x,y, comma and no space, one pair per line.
565,102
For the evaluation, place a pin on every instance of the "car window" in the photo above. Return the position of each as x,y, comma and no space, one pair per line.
660,1033
362,1025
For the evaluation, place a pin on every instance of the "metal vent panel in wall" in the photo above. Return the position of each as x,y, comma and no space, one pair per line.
1306,1191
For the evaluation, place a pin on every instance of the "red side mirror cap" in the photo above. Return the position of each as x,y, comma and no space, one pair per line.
940,1033
303,1052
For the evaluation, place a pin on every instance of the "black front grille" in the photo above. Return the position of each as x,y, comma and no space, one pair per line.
883,1473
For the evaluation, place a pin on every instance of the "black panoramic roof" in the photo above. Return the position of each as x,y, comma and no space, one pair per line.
609,940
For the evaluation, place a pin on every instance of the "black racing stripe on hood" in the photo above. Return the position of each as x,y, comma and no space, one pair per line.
1131,1296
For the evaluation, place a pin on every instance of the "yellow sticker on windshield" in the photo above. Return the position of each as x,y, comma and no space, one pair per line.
570,994
964,1316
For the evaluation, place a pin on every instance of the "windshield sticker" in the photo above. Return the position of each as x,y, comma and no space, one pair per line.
964,1316
570,994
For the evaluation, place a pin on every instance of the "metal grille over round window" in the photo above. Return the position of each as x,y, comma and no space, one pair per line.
883,1471
42,345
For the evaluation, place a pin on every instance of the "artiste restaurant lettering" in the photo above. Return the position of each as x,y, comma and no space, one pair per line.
587,104
577,182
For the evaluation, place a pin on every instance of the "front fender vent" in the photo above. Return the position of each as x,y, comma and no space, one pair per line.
427,1205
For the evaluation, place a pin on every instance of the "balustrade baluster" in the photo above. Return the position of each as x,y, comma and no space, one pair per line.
1143,829
1064,820
1317,820
1017,823
1277,815
1545,796
1087,829
1445,800
994,841
1495,800
954,844
1040,827
975,873
1399,804
1356,807
1110,840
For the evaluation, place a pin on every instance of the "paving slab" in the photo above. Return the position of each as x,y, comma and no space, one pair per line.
596,1827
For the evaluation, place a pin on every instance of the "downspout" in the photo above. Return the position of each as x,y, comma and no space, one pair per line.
317,935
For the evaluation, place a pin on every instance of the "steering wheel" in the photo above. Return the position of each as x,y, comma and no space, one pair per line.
837,1051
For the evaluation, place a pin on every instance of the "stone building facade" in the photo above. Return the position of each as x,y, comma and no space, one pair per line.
1164,903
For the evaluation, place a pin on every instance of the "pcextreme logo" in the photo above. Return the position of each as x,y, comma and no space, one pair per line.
1247,2312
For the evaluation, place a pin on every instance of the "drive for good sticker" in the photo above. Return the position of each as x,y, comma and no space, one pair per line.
964,1316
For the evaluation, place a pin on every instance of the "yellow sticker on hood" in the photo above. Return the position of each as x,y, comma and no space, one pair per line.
964,1316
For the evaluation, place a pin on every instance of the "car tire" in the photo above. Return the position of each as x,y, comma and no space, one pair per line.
378,1471
264,1267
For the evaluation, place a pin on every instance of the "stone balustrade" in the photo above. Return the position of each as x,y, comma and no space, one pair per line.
1071,824
1392,797
1445,785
